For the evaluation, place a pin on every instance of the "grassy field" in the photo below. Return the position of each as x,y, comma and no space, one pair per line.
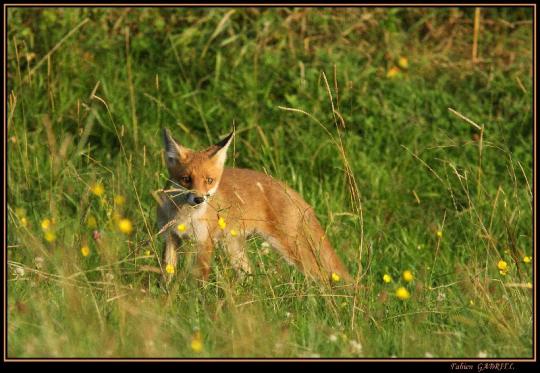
350,107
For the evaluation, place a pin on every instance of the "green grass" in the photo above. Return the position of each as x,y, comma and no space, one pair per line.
92,111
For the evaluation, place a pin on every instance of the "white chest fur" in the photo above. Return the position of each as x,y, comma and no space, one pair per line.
195,225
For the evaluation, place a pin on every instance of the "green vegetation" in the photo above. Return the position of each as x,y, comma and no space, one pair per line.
348,106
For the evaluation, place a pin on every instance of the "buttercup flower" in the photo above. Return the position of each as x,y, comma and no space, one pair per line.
97,189
221,223
387,278
181,227
408,276
125,226
335,277
503,267
85,251
233,233
403,293
403,62
119,200
439,234
527,259
24,222
147,253
50,236
196,342
46,224
169,269
393,72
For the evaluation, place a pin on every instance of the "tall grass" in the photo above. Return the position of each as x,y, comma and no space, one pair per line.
413,149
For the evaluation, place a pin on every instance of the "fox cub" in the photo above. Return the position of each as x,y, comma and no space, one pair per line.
208,202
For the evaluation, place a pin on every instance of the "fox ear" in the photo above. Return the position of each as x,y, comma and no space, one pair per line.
173,151
219,151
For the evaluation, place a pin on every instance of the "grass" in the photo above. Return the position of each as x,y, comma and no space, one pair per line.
381,158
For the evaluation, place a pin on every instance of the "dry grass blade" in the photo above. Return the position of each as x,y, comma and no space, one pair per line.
465,119
55,48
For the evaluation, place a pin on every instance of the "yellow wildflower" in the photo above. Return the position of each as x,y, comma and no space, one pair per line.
439,234
403,293
221,223
503,267
408,276
403,62
393,72
196,342
125,226
234,233
471,302
91,222
119,200
85,251
335,277
529,285
387,278
169,269
50,236
97,189
527,259
46,224
24,222
147,253
181,227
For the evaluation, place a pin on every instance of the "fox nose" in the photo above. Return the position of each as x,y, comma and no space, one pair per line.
198,200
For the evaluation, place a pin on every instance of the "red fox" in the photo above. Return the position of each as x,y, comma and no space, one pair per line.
208,202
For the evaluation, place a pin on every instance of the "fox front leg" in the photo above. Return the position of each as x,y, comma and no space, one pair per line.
170,257
205,251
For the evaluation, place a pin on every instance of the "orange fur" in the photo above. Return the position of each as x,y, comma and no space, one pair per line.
249,202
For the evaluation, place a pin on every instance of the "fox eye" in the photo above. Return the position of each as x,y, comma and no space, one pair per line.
209,180
185,179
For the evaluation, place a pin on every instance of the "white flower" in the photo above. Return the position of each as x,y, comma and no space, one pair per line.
441,296
38,261
356,347
19,271
482,354
265,248
429,354
333,338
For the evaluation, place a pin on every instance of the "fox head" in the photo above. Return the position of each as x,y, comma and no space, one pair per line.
199,173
